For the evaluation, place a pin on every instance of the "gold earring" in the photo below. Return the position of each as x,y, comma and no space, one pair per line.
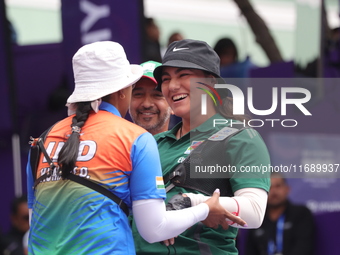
122,96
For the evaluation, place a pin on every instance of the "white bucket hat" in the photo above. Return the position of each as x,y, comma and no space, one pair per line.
101,68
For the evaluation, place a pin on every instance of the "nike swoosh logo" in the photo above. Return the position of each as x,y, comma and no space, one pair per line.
177,49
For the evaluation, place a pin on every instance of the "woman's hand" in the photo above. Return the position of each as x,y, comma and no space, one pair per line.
170,241
218,215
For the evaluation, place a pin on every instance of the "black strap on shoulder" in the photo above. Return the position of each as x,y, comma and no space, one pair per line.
176,172
72,177
49,172
101,190
35,152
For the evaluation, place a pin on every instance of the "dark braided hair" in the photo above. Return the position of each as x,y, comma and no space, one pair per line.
226,110
69,153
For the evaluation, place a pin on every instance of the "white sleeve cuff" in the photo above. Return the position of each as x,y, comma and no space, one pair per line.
156,224
249,202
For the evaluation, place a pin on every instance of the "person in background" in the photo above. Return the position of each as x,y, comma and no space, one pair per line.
189,68
25,242
19,226
231,66
96,145
148,108
152,46
227,51
175,36
287,229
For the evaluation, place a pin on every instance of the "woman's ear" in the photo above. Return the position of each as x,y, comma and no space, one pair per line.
213,79
121,94
125,92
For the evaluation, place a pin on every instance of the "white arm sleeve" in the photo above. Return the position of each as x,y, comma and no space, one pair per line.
155,224
30,215
251,204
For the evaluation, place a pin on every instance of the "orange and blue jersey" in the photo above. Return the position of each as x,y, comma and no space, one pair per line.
69,218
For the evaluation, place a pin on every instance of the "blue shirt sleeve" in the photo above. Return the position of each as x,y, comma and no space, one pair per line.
146,181
30,183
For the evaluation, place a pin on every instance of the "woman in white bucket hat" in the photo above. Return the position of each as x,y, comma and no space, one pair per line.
96,146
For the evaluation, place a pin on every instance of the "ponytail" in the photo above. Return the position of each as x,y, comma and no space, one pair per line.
69,153
226,110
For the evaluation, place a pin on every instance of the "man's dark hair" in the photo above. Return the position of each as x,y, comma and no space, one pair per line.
225,45
16,202
278,175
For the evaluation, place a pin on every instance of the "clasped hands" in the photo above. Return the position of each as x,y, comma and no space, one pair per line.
218,215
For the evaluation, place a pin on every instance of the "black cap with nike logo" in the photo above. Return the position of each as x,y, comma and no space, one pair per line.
189,53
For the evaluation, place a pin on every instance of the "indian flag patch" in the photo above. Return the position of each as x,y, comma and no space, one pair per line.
159,182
